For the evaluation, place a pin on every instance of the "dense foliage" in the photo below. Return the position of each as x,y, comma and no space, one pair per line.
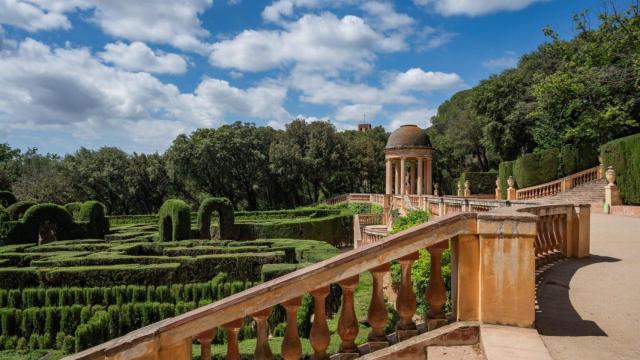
581,92
624,155
174,220
255,167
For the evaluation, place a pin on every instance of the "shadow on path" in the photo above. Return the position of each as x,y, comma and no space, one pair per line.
555,315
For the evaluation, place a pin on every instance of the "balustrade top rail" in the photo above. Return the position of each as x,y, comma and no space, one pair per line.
560,185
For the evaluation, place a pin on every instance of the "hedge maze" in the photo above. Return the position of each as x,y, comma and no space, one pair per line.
72,277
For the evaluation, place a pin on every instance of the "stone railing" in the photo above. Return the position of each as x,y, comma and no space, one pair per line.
504,241
560,185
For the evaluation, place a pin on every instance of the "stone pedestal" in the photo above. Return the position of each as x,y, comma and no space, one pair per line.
612,195
511,194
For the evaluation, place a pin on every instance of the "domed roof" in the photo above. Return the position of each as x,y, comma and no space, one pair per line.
408,136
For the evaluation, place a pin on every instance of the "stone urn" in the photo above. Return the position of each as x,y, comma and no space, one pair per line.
459,189
467,185
435,189
510,182
611,175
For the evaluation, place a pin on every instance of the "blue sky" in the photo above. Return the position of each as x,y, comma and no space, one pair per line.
135,74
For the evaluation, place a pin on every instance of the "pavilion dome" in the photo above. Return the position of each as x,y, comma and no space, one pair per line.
408,136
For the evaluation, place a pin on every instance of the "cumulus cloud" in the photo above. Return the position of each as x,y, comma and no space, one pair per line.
280,10
314,41
416,79
137,56
356,112
70,88
385,16
430,38
418,116
175,23
509,60
474,7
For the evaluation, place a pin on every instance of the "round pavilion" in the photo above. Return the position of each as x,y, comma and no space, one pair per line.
408,156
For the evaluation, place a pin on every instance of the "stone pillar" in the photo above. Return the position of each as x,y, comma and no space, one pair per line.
498,190
403,176
182,350
428,177
412,180
465,277
507,269
467,188
388,176
611,193
397,178
581,231
511,191
420,176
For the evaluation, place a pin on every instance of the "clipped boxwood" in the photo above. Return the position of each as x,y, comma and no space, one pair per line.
18,209
37,215
624,155
174,222
94,214
225,213
7,198
505,169
481,182
575,159
4,215
537,168
74,209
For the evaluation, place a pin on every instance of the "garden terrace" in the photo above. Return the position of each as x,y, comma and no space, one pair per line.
505,241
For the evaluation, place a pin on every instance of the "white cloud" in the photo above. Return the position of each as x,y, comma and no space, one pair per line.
137,56
509,60
279,10
314,41
430,38
474,7
385,15
71,89
175,23
355,112
416,79
418,116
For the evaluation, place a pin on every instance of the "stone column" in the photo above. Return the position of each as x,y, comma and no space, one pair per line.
412,180
403,175
397,178
428,176
420,175
388,176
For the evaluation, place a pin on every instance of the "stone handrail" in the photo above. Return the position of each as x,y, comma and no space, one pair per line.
478,244
560,185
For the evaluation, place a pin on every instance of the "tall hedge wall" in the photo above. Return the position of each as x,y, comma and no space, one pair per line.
624,155
36,215
225,213
94,214
174,221
7,198
504,171
481,182
18,209
537,168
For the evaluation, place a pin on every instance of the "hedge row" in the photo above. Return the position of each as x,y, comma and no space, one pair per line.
17,210
624,155
224,208
218,288
505,169
7,198
481,182
174,220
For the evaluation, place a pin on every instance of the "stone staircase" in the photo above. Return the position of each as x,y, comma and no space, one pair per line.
589,193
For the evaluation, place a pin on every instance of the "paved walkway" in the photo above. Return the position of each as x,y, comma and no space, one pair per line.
590,308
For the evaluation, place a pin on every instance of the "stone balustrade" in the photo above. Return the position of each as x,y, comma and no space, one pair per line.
560,185
507,240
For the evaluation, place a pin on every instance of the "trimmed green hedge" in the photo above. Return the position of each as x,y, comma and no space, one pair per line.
26,231
18,209
7,198
575,159
505,169
481,182
624,155
4,215
537,168
225,215
174,220
94,214
73,208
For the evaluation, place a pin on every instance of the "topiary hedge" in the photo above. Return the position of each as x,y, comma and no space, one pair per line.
94,214
575,159
505,169
537,168
18,209
174,221
481,182
7,198
4,215
225,214
74,208
624,155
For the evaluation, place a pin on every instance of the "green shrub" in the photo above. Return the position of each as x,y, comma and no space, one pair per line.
481,182
74,209
225,215
112,275
624,155
174,220
15,278
272,271
37,215
7,198
94,214
4,215
505,169
412,218
575,159
537,168
18,209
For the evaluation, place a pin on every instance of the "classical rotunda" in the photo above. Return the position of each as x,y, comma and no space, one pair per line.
408,156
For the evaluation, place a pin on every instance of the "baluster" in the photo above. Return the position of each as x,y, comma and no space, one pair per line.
348,323
377,316
546,239
232,328
319,336
205,340
263,351
538,241
291,346
436,294
406,301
